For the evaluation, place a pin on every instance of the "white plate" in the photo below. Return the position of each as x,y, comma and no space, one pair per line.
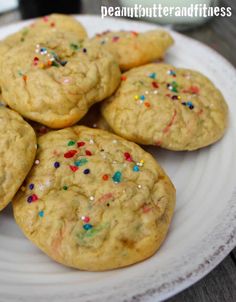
204,225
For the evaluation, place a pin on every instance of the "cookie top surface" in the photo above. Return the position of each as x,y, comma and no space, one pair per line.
95,201
17,151
132,49
44,27
55,81
158,104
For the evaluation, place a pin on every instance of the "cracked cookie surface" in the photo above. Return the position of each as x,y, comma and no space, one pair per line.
94,201
17,152
132,49
158,104
57,79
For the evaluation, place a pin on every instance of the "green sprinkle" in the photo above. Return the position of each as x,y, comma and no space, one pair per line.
74,46
55,64
71,143
117,177
65,188
80,162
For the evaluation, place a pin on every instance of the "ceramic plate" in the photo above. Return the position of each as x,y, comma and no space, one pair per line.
203,229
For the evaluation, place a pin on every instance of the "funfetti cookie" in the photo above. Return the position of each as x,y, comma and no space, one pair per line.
46,26
158,104
132,49
17,152
56,80
94,201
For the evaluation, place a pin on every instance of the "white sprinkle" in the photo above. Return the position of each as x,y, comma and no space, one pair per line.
146,92
91,198
37,162
139,186
91,141
155,91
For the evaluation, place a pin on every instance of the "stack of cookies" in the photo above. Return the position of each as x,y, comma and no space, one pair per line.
92,198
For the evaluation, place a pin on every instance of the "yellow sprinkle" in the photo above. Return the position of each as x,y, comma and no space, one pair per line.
141,161
136,97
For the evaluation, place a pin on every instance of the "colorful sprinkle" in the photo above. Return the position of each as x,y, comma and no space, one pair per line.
65,188
74,168
147,104
155,84
85,219
88,153
171,72
41,213
56,165
80,144
127,156
31,186
105,177
142,97
194,89
86,171
188,104
152,75
117,177
136,168
115,39
91,198
80,162
173,86
123,78
37,162
70,153
74,46
71,143
87,226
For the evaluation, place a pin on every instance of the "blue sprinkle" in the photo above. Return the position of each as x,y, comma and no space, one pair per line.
86,171
142,97
135,168
87,226
31,186
152,75
80,162
56,164
117,176
29,199
41,213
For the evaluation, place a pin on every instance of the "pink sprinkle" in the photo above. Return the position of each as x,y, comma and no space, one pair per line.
34,197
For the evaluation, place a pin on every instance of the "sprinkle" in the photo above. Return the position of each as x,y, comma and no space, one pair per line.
84,50
29,199
139,186
171,72
80,144
74,168
114,141
175,97
194,89
66,81
31,186
80,162
74,46
86,171
142,161
35,61
172,87
115,38
147,104
41,213
25,77
91,198
52,24
71,143
117,177
127,156
34,197
37,162
87,226
65,188
45,18
136,97
56,165
136,168
123,78
88,153
91,141
152,75
166,129
105,177
155,85
146,92
70,153
142,97
188,104
85,219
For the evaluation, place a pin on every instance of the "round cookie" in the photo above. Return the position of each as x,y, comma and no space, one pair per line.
158,104
95,201
46,26
132,49
17,152
56,81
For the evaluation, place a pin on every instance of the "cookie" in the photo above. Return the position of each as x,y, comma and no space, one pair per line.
55,82
132,49
17,152
44,27
95,201
158,104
